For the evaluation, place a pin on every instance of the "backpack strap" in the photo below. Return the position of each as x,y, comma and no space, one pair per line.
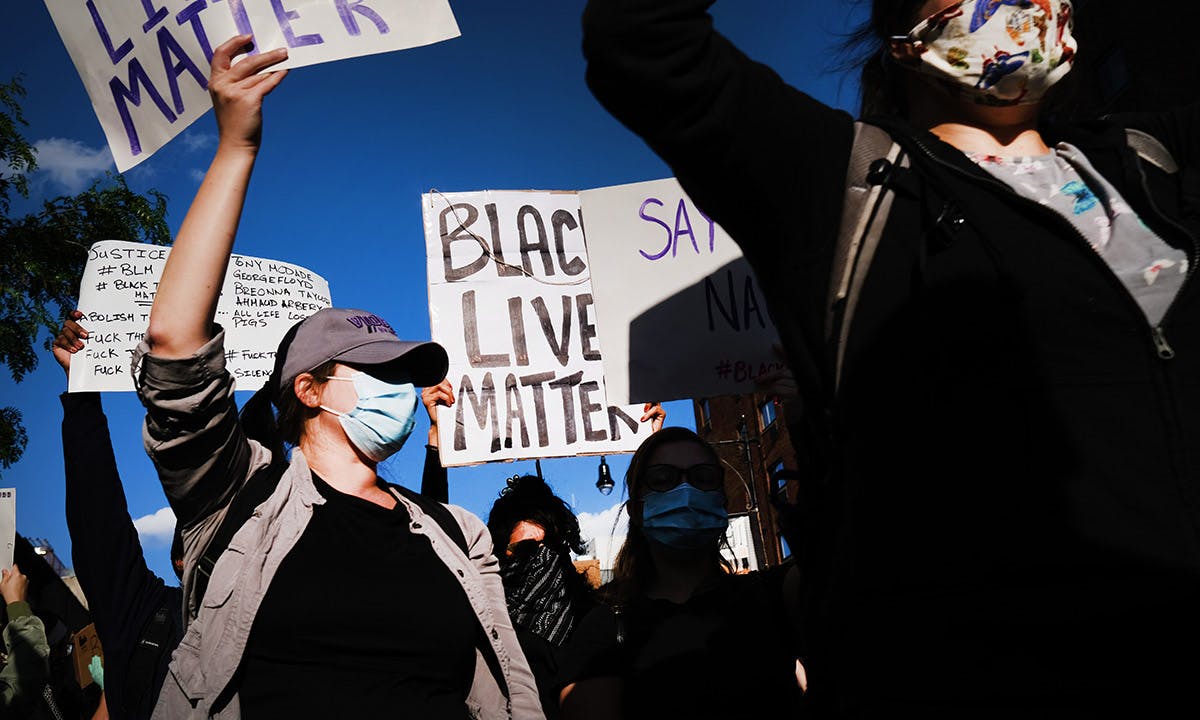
155,641
254,493
1151,150
439,512
865,208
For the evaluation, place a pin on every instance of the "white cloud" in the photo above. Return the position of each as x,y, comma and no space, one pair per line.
197,175
606,531
157,528
193,140
70,163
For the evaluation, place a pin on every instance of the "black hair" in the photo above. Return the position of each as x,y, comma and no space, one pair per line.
177,553
880,92
529,498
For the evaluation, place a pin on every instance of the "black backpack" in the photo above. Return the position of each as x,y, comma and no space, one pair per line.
866,204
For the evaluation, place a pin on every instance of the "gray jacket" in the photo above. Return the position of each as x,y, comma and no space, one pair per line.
193,435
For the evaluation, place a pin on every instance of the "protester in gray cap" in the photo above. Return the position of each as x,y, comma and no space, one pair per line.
312,588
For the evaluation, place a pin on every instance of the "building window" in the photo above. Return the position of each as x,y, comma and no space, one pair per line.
767,412
785,550
705,414
773,473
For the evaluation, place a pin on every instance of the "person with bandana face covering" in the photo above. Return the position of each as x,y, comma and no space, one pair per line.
1013,503
335,593
546,595
677,633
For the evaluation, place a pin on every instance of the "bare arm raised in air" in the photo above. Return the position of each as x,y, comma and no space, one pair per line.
182,317
192,432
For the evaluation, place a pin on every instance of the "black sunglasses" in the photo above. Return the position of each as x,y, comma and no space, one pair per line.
705,476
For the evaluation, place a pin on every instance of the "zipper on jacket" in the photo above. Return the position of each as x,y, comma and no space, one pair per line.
1160,343
1161,347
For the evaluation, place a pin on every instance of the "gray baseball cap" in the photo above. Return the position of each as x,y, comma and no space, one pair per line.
359,338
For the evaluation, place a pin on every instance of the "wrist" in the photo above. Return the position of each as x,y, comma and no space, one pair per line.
18,608
230,150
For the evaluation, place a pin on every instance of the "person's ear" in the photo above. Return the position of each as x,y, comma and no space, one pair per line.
308,390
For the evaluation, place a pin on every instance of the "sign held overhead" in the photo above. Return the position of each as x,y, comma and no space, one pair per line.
145,64
260,300
510,299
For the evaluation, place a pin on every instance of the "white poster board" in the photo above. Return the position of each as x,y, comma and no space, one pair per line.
145,63
260,300
510,299
679,311
8,526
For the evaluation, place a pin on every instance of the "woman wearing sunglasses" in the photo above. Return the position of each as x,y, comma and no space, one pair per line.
678,634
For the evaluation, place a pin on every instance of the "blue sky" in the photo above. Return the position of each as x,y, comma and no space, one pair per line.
349,147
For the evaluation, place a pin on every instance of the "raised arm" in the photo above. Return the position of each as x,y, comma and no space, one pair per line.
28,665
740,140
192,432
105,549
181,320
435,482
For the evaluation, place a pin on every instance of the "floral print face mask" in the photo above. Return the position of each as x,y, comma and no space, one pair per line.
997,52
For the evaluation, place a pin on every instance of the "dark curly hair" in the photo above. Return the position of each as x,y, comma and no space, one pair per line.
529,498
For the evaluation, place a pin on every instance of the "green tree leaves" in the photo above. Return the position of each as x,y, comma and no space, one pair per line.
42,255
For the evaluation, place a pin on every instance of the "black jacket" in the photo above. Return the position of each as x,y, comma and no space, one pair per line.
124,596
1015,458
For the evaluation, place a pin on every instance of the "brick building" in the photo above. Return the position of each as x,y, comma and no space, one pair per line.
751,437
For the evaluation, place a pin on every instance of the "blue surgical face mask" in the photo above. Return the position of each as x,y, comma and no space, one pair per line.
383,417
684,517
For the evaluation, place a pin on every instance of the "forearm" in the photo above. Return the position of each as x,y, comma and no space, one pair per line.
749,149
105,549
28,655
192,431
435,483
181,319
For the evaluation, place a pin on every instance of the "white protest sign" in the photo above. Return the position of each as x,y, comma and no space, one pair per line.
511,301
679,311
145,63
8,526
260,300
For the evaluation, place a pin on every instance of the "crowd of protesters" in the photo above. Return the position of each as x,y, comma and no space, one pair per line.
1009,520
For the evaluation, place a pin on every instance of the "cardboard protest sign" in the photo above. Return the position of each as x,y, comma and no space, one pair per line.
145,64
679,311
510,299
86,645
8,526
260,300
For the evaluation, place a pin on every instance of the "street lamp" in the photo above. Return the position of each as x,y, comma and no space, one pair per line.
604,483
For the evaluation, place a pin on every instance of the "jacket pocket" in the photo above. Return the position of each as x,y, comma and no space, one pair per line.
224,579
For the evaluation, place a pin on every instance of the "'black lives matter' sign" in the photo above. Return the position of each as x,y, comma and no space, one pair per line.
510,298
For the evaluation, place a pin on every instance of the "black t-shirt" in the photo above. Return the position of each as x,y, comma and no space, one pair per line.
361,620
724,653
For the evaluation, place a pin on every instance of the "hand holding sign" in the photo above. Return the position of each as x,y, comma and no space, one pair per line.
13,585
69,341
441,394
238,91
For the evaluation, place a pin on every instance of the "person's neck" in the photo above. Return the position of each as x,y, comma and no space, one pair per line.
344,468
979,129
1007,142
679,573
